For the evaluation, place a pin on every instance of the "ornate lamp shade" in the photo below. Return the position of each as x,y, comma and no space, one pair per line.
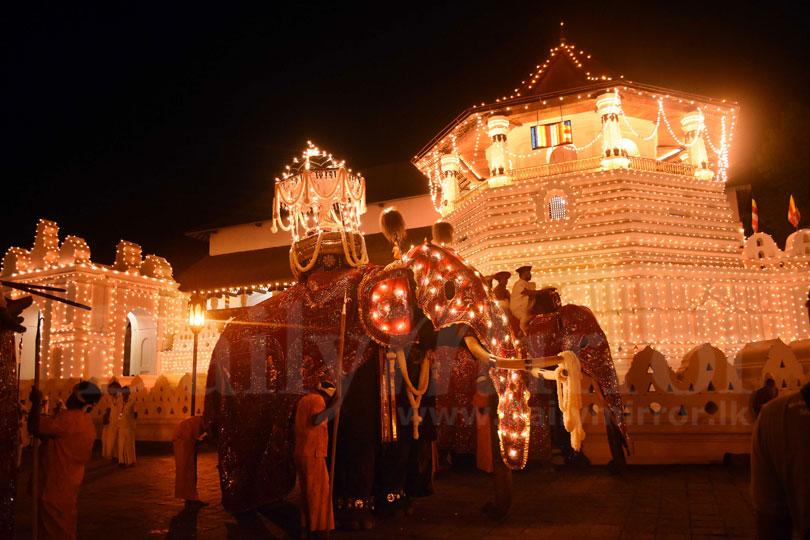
196,313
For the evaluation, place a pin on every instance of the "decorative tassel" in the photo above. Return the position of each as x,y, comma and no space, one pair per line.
442,232
393,227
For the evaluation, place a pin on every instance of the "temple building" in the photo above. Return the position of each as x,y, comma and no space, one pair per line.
137,322
615,192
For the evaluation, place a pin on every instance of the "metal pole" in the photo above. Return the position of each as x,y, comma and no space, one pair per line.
19,366
35,442
338,395
194,374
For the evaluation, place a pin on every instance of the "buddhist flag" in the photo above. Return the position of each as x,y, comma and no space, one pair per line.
754,216
554,134
794,216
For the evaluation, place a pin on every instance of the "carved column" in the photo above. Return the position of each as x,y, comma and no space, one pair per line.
693,125
450,168
497,128
609,107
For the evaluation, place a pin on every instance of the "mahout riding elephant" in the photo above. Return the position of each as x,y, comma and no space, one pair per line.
555,328
426,323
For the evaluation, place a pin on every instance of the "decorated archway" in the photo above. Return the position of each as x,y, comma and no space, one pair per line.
140,345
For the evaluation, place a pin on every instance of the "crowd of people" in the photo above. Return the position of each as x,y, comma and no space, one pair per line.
119,426
67,435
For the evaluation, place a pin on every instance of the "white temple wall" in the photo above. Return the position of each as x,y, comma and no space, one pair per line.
657,257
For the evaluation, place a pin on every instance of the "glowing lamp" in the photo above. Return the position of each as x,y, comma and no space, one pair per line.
196,314
196,321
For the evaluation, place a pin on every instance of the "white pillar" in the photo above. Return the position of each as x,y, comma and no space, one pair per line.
609,107
497,128
693,125
449,167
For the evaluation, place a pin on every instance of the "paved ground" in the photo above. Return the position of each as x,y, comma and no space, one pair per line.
647,502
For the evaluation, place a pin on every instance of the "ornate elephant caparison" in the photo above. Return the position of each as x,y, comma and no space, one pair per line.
419,334
555,328
267,357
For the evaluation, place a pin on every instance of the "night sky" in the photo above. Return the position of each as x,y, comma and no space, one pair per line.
144,120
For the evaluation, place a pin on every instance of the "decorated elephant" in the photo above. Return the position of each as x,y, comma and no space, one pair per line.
408,345
431,301
555,328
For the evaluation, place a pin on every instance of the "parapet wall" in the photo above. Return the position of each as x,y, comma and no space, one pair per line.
694,414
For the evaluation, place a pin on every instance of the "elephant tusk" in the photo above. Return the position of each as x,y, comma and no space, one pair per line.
527,364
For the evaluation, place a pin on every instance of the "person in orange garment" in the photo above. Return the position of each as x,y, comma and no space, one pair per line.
69,439
311,441
187,435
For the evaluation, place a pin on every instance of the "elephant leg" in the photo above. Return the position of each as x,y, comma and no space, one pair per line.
392,472
420,469
357,441
604,374
405,467
560,437
498,508
616,442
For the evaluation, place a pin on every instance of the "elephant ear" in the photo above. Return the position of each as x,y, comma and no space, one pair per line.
386,306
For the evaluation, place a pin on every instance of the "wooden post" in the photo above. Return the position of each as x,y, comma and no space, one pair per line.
338,395
35,441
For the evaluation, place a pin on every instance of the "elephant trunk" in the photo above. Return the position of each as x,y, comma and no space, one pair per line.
513,396
525,364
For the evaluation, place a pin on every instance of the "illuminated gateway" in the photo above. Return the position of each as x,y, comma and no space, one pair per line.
615,192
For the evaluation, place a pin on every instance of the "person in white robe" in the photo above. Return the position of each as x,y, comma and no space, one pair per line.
520,304
109,422
126,429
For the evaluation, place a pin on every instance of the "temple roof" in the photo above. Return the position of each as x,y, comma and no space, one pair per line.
566,68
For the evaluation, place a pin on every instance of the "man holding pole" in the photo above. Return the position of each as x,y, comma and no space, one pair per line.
69,439
311,441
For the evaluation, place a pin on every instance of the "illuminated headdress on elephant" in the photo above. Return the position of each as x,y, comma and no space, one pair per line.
320,201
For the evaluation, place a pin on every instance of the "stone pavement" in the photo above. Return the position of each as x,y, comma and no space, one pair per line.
647,502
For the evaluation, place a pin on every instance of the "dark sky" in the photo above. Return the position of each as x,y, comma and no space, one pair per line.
143,120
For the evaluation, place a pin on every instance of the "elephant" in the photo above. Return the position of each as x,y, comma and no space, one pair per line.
429,305
555,328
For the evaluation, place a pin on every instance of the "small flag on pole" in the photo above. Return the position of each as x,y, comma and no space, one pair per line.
754,216
794,216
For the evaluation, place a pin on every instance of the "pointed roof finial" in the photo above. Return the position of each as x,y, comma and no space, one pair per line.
562,31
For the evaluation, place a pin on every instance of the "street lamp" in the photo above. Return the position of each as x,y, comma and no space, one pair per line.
196,321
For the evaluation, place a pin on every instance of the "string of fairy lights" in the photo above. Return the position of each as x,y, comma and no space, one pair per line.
433,267
656,257
80,343
658,230
429,164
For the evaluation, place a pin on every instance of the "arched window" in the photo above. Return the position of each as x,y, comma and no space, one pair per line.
557,208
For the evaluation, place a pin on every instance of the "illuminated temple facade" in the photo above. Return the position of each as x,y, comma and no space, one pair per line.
615,192
137,322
